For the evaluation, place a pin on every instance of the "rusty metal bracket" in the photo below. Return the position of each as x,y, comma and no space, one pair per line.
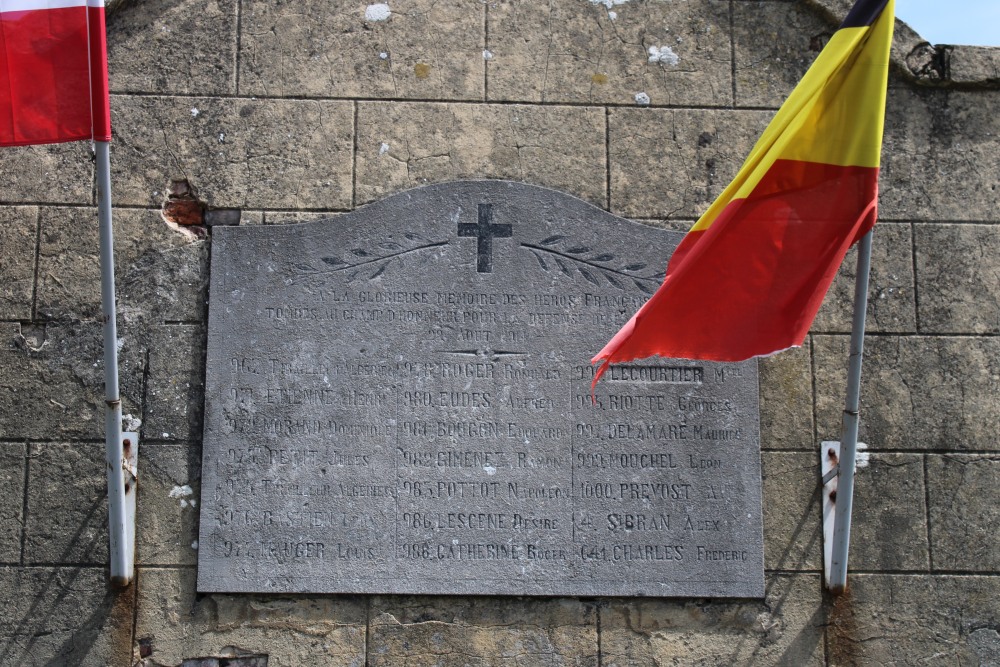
130,475
829,476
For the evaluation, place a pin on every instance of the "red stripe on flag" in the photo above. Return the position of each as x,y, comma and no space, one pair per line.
45,76
100,100
752,282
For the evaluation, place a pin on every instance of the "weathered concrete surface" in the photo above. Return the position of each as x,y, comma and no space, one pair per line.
63,616
674,163
958,268
67,514
915,620
52,380
175,392
168,502
423,49
54,174
19,227
786,415
784,629
166,284
174,623
69,274
403,145
236,152
939,157
774,43
889,526
166,46
964,512
12,462
293,217
969,64
917,392
793,531
891,306
501,632
590,53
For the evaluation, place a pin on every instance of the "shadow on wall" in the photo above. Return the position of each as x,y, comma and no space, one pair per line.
68,614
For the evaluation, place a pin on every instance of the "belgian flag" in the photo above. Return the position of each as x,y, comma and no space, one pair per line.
750,275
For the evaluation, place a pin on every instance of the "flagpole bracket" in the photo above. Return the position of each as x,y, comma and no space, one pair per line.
829,477
130,477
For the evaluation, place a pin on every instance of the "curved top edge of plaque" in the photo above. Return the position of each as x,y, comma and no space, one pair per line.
427,194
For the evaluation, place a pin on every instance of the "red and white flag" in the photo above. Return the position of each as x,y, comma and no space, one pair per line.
53,72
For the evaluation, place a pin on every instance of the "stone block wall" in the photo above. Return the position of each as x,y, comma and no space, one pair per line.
292,111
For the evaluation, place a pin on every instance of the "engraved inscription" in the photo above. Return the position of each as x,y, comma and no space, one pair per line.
385,413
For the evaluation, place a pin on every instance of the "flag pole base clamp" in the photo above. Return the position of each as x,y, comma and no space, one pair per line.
130,476
830,471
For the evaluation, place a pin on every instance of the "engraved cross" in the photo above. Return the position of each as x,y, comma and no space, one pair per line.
485,231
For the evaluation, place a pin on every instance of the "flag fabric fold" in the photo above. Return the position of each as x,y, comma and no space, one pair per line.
750,275
53,72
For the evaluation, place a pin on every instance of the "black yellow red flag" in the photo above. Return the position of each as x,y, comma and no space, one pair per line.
750,275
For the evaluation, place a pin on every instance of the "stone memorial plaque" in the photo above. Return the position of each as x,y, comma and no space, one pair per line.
398,401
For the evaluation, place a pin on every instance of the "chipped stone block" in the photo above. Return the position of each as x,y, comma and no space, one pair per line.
168,504
916,392
793,532
891,303
674,163
69,273
11,500
964,514
175,388
452,632
50,174
786,416
957,268
889,519
404,145
165,47
184,212
19,228
775,43
940,155
63,616
67,521
52,380
580,52
174,623
914,619
786,628
420,49
238,153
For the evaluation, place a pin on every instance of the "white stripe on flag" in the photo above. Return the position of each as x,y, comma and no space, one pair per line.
35,5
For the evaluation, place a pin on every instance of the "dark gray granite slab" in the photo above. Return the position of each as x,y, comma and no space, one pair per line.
398,401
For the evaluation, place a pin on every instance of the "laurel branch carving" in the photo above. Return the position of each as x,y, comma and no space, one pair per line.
559,253
368,264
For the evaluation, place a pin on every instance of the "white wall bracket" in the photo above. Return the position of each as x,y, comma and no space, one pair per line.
130,477
829,476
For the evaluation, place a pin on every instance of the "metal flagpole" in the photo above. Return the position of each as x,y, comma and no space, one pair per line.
849,432
122,543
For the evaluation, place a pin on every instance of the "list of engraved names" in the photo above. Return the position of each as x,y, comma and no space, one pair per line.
434,430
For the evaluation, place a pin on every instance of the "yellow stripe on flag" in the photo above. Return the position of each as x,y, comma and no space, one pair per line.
833,116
